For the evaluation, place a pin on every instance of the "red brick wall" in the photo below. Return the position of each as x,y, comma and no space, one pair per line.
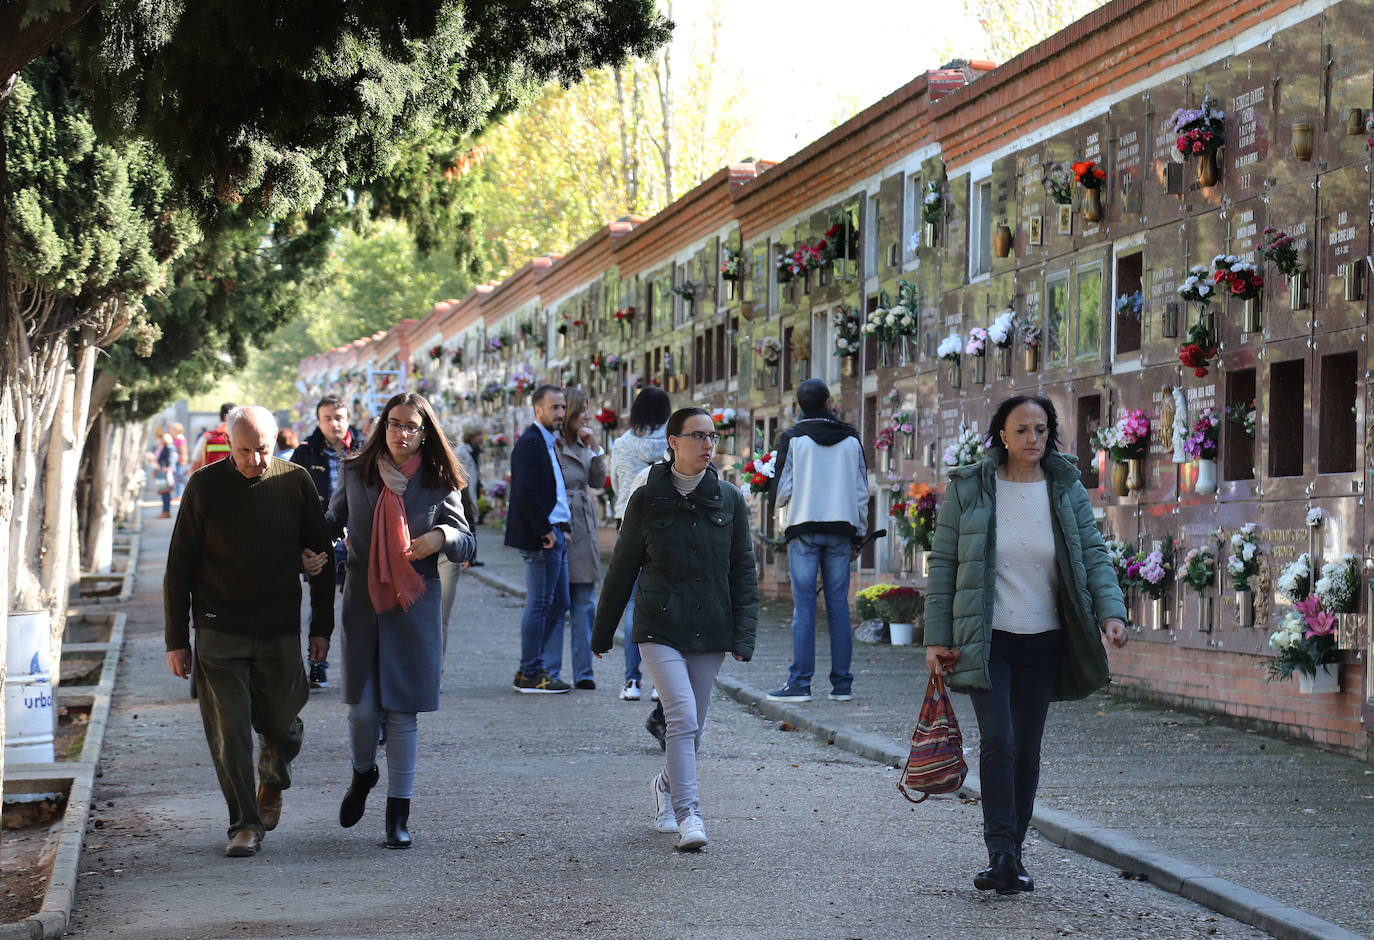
1236,685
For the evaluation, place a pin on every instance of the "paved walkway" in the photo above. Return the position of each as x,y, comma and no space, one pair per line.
532,819
1278,835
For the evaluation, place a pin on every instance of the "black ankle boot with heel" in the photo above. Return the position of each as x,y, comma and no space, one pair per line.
1000,876
397,819
355,800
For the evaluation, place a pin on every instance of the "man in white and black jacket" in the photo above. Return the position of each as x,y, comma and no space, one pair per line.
821,479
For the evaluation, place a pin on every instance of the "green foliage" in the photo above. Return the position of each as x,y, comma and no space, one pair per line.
282,104
375,278
87,220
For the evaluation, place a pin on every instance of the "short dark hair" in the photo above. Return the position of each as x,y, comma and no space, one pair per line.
993,444
544,391
224,410
650,410
812,396
330,401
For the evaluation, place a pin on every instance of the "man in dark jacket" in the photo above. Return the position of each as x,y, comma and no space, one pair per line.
821,478
538,522
322,455
231,568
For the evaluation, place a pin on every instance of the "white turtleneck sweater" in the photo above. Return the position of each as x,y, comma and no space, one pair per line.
685,484
1026,576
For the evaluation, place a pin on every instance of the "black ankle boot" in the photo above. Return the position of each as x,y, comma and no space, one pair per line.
1023,880
1000,876
397,818
351,809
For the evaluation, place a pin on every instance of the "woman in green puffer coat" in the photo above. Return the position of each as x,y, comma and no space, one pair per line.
1021,594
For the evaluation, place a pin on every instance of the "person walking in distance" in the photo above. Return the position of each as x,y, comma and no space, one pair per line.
583,463
399,499
166,473
322,454
686,539
645,443
1018,525
232,568
213,445
822,481
538,523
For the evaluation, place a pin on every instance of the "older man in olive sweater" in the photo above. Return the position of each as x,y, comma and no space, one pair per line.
234,567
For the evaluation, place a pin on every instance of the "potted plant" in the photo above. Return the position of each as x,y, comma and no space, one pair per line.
1244,283
1091,177
758,471
769,350
1339,588
1201,446
1199,571
1126,442
1200,134
1306,644
1150,571
1242,564
950,349
967,447
920,517
1281,250
847,337
1057,184
900,608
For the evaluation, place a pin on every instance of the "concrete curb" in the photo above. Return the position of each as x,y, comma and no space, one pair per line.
1106,845
55,913
1098,842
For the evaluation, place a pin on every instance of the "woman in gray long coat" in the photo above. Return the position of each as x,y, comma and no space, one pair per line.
400,501
583,464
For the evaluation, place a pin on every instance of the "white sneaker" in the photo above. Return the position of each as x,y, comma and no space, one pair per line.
631,691
692,834
664,820
653,693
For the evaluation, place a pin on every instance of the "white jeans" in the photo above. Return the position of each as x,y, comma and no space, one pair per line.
684,682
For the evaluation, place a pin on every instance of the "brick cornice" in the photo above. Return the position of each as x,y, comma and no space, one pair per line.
689,219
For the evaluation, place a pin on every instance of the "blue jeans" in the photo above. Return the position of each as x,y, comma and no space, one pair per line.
828,555
582,600
627,620
365,721
1024,669
546,597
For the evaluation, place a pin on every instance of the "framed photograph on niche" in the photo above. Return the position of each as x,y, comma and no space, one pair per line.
1065,220
1035,230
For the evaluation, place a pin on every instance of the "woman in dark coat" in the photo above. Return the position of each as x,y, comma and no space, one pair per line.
400,501
686,536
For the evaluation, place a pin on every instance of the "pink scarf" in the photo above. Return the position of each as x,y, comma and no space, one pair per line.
391,581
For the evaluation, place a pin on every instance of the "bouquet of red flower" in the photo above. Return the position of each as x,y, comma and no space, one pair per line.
1198,351
436,352
625,315
1089,174
1244,282
606,417
758,471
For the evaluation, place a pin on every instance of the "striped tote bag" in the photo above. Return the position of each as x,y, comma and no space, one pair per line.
936,762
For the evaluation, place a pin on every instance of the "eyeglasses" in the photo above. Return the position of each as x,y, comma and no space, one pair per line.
702,436
405,430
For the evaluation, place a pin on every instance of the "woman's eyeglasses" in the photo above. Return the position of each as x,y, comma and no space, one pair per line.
405,430
702,437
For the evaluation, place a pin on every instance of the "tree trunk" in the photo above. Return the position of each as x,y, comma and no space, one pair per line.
21,44
629,159
665,104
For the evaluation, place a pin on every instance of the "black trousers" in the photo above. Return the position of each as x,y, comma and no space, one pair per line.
1011,722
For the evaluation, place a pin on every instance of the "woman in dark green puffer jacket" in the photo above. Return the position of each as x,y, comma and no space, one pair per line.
1020,588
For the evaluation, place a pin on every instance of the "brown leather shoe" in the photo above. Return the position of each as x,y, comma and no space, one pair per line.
242,844
269,806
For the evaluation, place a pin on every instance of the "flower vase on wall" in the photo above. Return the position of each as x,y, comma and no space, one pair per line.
1159,613
850,365
1245,608
1092,205
929,233
1135,476
980,370
1297,291
956,376
1327,680
1206,483
885,355
922,563
1118,478
1250,316
1204,613
1208,172
1030,358
1003,361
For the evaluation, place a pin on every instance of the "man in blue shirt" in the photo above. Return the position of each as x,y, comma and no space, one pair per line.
538,523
